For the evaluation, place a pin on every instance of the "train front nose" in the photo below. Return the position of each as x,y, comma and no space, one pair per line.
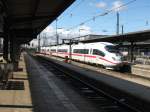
118,60
116,57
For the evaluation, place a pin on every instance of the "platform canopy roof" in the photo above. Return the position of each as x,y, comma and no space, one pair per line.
128,37
27,18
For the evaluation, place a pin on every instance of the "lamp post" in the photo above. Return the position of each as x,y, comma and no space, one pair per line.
117,25
122,29
39,41
71,41
57,38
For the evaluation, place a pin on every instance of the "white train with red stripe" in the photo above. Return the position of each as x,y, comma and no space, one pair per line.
102,53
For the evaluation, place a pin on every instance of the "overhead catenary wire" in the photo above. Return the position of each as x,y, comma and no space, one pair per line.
97,16
102,14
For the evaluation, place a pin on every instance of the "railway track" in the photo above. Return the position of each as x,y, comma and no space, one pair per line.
126,76
103,100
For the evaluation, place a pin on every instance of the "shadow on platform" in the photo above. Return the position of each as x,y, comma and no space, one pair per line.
13,85
20,78
15,106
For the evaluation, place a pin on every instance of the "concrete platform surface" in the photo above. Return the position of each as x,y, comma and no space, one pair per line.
147,67
16,97
141,70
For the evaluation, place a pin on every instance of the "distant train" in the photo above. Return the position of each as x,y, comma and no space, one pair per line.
101,53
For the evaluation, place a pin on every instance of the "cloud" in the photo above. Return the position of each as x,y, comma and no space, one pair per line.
49,30
50,34
80,31
116,6
101,5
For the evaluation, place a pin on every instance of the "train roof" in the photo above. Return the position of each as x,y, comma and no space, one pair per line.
102,43
81,44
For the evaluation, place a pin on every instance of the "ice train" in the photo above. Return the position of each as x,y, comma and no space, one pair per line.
101,53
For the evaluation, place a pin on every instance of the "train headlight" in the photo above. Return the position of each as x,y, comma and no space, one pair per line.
114,58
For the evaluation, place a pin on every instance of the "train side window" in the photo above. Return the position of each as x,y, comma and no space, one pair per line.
81,51
53,50
62,50
98,52
86,51
75,51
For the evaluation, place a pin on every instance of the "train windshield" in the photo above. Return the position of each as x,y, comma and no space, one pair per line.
112,49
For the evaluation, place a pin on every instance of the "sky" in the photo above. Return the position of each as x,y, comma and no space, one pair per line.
71,23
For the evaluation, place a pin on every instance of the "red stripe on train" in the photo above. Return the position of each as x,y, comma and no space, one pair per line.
90,56
107,60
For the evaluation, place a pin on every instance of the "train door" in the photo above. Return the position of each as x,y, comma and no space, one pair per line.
84,52
89,58
92,58
86,55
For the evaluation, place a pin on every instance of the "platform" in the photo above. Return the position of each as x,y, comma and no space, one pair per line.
16,97
141,70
